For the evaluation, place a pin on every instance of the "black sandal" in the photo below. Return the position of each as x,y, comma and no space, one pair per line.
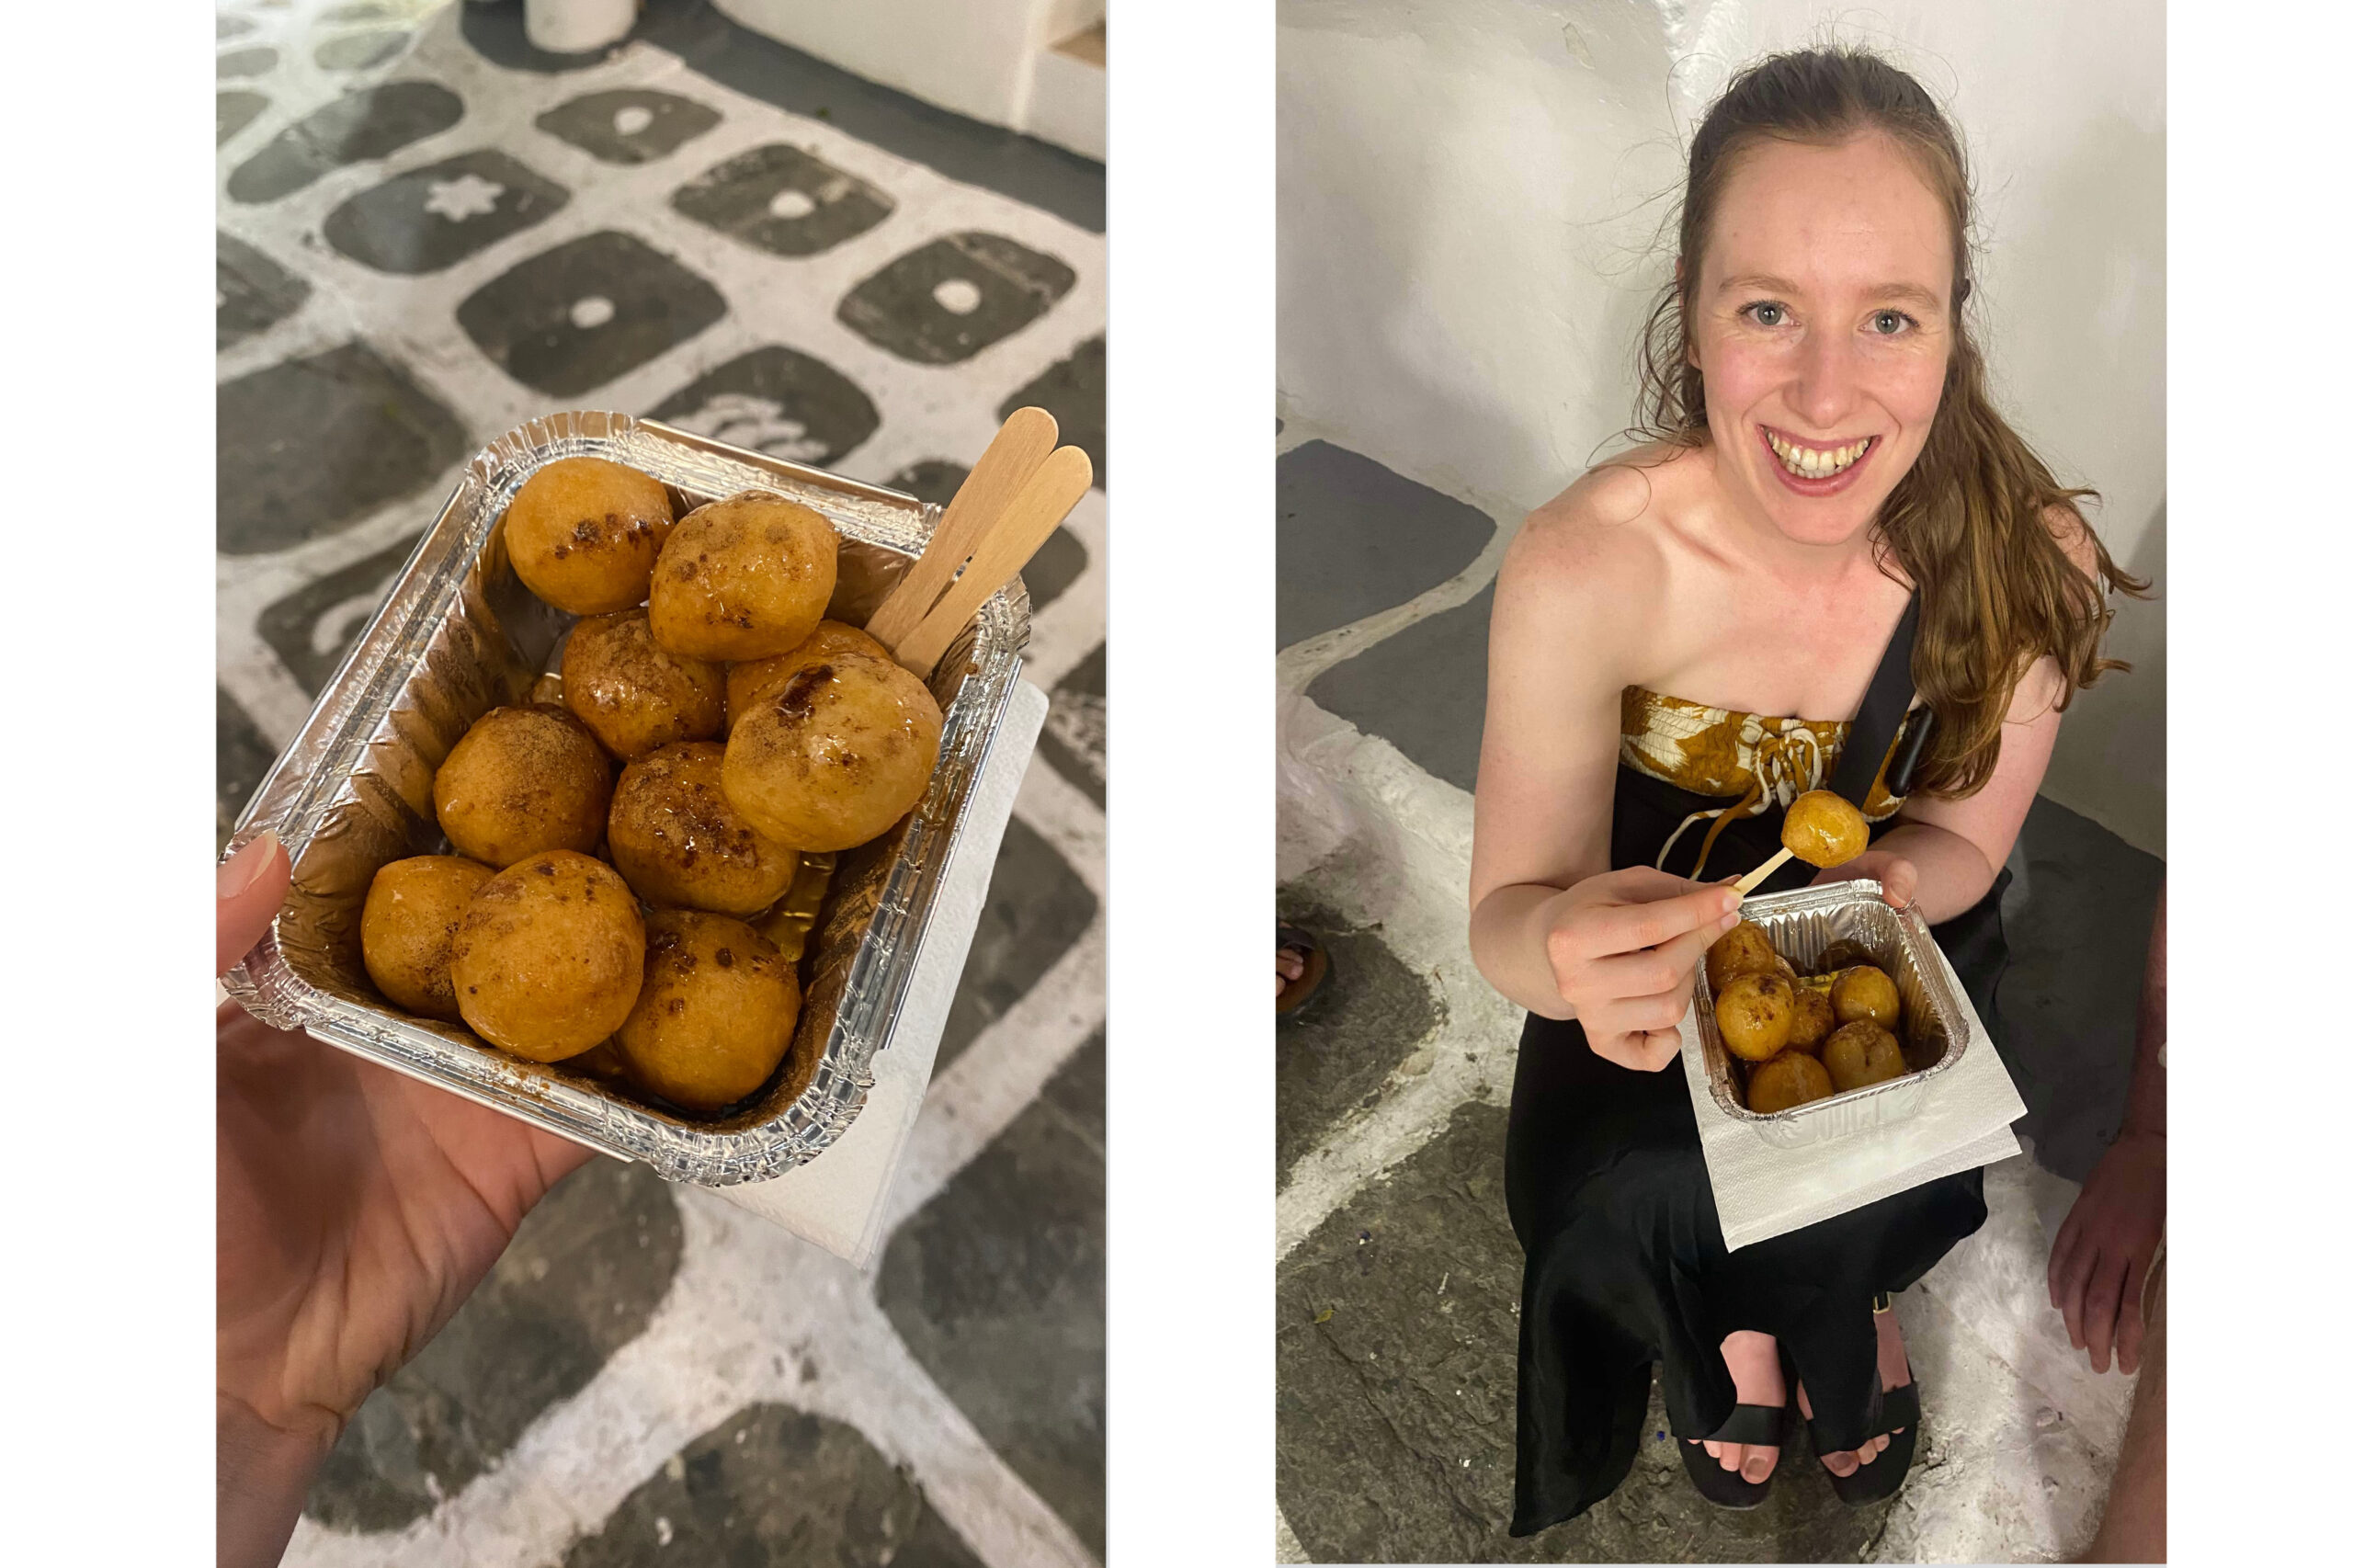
1899,1407
1755,1424
1297,994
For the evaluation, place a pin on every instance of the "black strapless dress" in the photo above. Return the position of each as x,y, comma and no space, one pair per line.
1608,1194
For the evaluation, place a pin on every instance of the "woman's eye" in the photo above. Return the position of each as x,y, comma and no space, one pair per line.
1766,313
1887,324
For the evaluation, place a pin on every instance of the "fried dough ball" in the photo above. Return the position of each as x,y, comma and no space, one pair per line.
754,678
1814,1020
1789,1079
521,780
1744,949
550,955
1864,993
584,534
633,694
1861,1054
716,1014
677,840
835,755
1824,829
1753,1013
744,578
412,912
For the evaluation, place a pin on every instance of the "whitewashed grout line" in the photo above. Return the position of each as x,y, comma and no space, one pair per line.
751,1308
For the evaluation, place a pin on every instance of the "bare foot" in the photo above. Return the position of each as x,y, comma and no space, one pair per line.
1895,1371
1289,964
1756,1364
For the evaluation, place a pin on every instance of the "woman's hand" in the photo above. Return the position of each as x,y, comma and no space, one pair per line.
1898,878
2106,1248
1623,946
356,1210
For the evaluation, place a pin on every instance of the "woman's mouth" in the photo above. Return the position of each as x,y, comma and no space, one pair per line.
1817,471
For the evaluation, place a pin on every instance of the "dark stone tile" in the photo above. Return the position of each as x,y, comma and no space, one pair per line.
771,1484
575,317
1072,742
241,756
628,125
777,401
1352,538
231,26
233,110
238,64
966,151
782,200
437,216
1396,1350
586,1272
314,627
1334,1058
1036,908
357,52
254,293
947,301
1054,568
312,445
1071,392
996,1287
2077,918
373,123
934,480
1424,689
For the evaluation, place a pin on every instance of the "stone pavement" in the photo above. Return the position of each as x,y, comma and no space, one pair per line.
1397,1278
429,232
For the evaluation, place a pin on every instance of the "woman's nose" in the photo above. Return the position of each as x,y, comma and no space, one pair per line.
1827,386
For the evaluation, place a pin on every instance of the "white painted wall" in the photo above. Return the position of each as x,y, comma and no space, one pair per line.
980,58
1472,201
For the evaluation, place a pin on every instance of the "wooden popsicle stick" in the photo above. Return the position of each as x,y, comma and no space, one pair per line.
1001,552
1749,883
1020,444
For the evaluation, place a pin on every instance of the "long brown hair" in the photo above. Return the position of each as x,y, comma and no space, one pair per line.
1968,523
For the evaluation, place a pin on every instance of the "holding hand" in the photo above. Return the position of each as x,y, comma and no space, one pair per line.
2106,1248
357,1209
1623,947
1897,877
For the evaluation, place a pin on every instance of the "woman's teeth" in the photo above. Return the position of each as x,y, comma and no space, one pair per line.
1808,462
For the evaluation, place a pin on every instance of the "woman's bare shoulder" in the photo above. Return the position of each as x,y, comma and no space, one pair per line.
2074,533
1597,541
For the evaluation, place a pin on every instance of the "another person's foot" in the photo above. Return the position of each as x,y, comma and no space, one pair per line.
1301,968
1289,964
1755,1361
1895,1371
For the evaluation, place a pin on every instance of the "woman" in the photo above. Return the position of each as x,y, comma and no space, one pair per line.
1828,519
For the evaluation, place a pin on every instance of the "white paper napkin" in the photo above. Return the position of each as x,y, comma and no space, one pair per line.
836,1200
1763,1191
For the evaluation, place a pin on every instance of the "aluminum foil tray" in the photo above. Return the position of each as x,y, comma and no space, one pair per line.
458,635
1935,1026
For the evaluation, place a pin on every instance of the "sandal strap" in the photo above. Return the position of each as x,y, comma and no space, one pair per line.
1899,1407
1758,1424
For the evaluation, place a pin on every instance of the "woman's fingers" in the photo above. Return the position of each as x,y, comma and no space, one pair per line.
1637,1051
1609,929
1667,967
251,886
1899,879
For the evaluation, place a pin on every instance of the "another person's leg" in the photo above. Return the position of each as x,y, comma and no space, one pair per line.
2134,1528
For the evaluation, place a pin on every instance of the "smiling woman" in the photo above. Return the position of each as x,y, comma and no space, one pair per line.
1826,517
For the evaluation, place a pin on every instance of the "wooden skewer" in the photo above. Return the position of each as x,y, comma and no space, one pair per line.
1013,456
1749,883
1000,551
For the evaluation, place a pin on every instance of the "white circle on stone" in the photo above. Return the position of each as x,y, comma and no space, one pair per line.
790,203
632,119
957,296
593,311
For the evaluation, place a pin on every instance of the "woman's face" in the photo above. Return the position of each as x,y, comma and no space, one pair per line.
1822,321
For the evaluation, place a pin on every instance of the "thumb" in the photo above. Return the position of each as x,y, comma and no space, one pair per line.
252,884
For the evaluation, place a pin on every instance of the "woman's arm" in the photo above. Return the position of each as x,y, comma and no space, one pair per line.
1552,927
1956,848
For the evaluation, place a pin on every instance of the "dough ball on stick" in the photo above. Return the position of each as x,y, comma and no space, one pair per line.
1821,829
